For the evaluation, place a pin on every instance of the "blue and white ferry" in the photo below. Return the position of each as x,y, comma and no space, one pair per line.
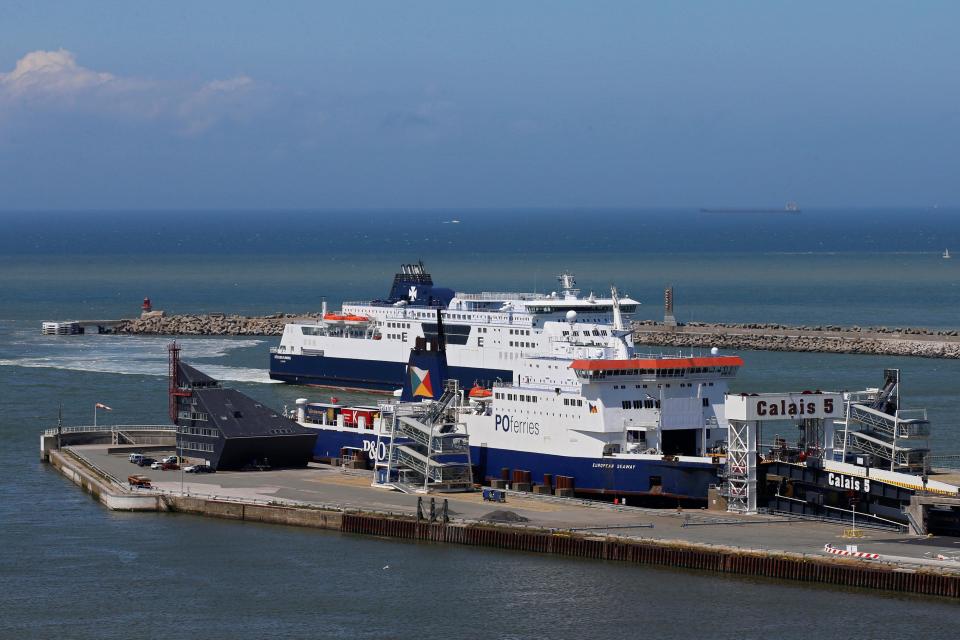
586,405
365,346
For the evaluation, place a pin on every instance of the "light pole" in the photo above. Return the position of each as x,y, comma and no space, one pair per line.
180,457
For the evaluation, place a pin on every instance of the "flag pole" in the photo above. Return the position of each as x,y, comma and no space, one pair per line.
94,414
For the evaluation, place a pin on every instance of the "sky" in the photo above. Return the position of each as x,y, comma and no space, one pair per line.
226,104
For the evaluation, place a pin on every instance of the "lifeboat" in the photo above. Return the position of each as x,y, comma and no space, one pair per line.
334,319
355,321
479,392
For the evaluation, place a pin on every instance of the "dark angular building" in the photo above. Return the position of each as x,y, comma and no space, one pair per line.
229,429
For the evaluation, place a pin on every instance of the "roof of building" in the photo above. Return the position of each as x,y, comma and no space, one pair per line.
239,416
193,378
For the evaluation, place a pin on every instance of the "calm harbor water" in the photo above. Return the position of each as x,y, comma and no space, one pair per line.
69,568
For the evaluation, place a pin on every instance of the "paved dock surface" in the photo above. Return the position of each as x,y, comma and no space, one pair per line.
333,486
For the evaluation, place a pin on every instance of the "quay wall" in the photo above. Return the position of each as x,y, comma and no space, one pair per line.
266,513
783,566
703,557
108,493
897,341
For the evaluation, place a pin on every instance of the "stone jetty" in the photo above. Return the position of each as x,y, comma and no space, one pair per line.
918,342
898,341
213,324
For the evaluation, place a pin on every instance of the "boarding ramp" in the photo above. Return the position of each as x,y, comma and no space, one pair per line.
875,425
429,446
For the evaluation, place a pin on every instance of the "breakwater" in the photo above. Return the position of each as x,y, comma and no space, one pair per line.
213,324
897,341
918,342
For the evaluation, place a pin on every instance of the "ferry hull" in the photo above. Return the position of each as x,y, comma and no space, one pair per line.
605,476
372,375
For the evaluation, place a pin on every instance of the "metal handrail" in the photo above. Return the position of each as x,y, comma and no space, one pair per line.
108,428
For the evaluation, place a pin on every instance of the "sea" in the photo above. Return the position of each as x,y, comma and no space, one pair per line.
71,569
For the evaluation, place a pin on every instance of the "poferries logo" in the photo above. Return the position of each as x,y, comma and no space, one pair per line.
509,424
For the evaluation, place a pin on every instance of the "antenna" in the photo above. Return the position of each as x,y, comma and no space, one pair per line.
615,300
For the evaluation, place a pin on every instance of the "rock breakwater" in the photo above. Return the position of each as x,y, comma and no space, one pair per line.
897,341
213,324
917,342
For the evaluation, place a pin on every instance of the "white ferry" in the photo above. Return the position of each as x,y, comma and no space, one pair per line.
586,407
366,345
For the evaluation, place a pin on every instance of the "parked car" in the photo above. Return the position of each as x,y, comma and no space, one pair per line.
157,464
169,466
146,461
199,468
136,457
173,459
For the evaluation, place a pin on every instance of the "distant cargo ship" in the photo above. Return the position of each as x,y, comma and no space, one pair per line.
790,207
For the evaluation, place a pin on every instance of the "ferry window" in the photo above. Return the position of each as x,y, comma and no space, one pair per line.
648,404
638,404
566,401
706,402
625,404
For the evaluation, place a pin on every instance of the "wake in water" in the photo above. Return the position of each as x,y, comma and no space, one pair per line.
146,356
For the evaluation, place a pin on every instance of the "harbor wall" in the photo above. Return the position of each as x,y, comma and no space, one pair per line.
266,513
103,490
214,324
896,341
676,554
917,342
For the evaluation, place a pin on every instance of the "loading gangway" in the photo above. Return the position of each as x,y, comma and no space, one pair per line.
428,446
875,425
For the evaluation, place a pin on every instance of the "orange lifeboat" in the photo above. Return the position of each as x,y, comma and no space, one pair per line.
356,321
479,392
334,318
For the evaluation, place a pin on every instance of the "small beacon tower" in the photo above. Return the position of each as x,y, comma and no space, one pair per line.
668,318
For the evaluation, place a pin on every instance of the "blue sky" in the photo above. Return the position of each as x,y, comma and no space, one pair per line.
323,105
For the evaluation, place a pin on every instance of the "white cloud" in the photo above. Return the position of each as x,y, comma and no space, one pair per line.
51,73
217,100
53,82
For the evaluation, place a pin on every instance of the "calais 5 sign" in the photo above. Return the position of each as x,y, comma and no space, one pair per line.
792,406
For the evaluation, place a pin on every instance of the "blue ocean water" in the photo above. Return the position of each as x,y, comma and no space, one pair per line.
70,568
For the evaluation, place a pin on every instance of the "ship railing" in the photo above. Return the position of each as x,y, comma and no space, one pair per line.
503,295
108,428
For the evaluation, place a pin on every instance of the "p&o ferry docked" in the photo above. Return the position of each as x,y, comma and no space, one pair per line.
587,406
365,346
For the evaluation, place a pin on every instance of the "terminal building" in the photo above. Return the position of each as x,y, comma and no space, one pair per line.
228,429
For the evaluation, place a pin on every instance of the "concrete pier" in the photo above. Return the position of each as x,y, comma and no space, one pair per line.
343,500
